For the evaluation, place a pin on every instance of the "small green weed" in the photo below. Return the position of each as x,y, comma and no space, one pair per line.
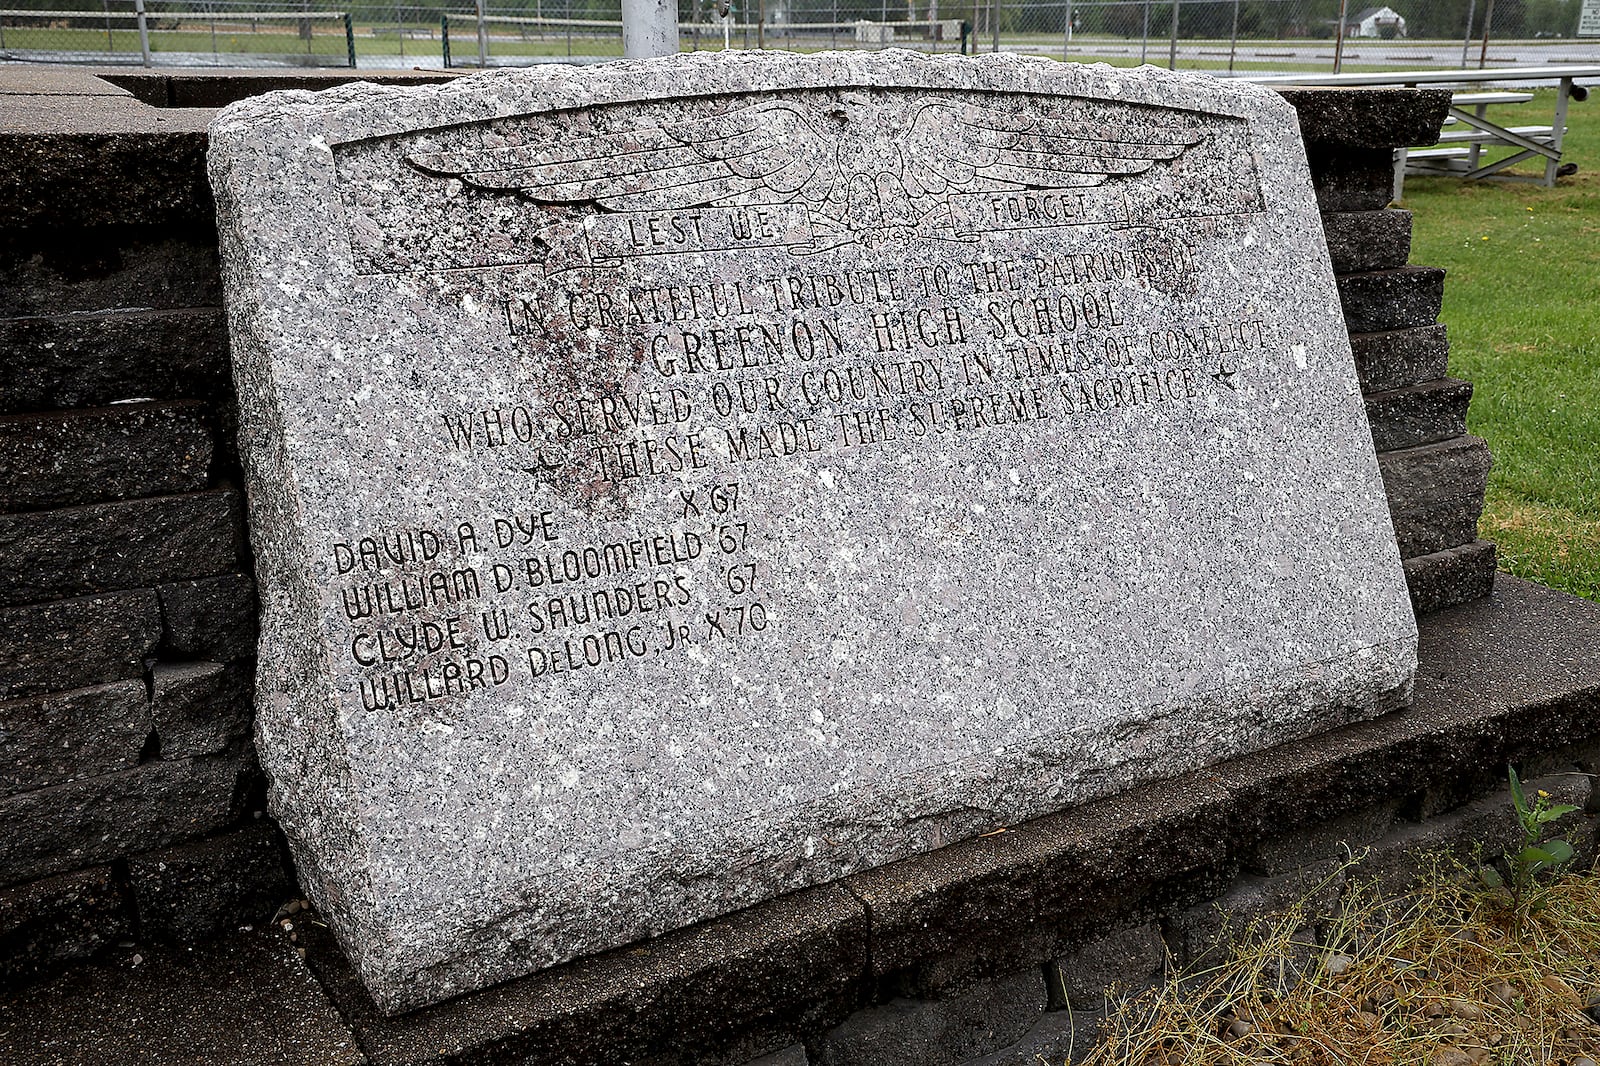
1538,856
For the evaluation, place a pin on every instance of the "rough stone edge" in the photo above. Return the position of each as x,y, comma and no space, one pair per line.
285,669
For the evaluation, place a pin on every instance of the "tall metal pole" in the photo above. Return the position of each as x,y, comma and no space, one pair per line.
483,40
761,24
1066,33
1233,37
649,28
994,10
1466,41
144,31
1144,39
1488,21
1172,48
1338,36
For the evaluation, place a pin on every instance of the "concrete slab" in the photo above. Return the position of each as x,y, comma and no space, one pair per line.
247,1000
22,79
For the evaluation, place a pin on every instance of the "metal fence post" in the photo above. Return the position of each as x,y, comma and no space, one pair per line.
144,30
350,39
994,11
444,38
1172,48
1488,21
1066,33
1338,36
1233,37
483,40
1466,42
1144,39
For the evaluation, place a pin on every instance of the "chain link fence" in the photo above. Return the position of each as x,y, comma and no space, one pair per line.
1242,36
226,32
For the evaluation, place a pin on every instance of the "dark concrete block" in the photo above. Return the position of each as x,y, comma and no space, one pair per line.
212,618
74,643
994,904
1522,658
1351,179
200,708
1397,358
1359,241
200,890
939,1032
1436,493
244,1000
61,919
1301,845
1252,908
1381,300
1128,958
50,830
1357,766
92,360
787,966
62,459
45,740
1057,1038
1373,119
103,162
1480,831
46,555
1450,577
53,271
1418,414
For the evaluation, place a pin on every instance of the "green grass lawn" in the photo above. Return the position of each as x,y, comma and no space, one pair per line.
1522,301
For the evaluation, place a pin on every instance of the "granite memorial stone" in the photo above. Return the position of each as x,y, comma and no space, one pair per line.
676,483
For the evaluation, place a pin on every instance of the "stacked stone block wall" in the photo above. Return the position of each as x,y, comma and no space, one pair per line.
128,787
127,780
1435,473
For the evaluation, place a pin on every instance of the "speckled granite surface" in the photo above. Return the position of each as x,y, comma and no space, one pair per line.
675,483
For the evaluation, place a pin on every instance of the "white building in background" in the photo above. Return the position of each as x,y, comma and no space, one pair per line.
1372,21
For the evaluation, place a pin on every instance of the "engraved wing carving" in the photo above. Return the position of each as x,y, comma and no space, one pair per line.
969,148
864,163
770,146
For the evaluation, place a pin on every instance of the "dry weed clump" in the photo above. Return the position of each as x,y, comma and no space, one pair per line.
1432,978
